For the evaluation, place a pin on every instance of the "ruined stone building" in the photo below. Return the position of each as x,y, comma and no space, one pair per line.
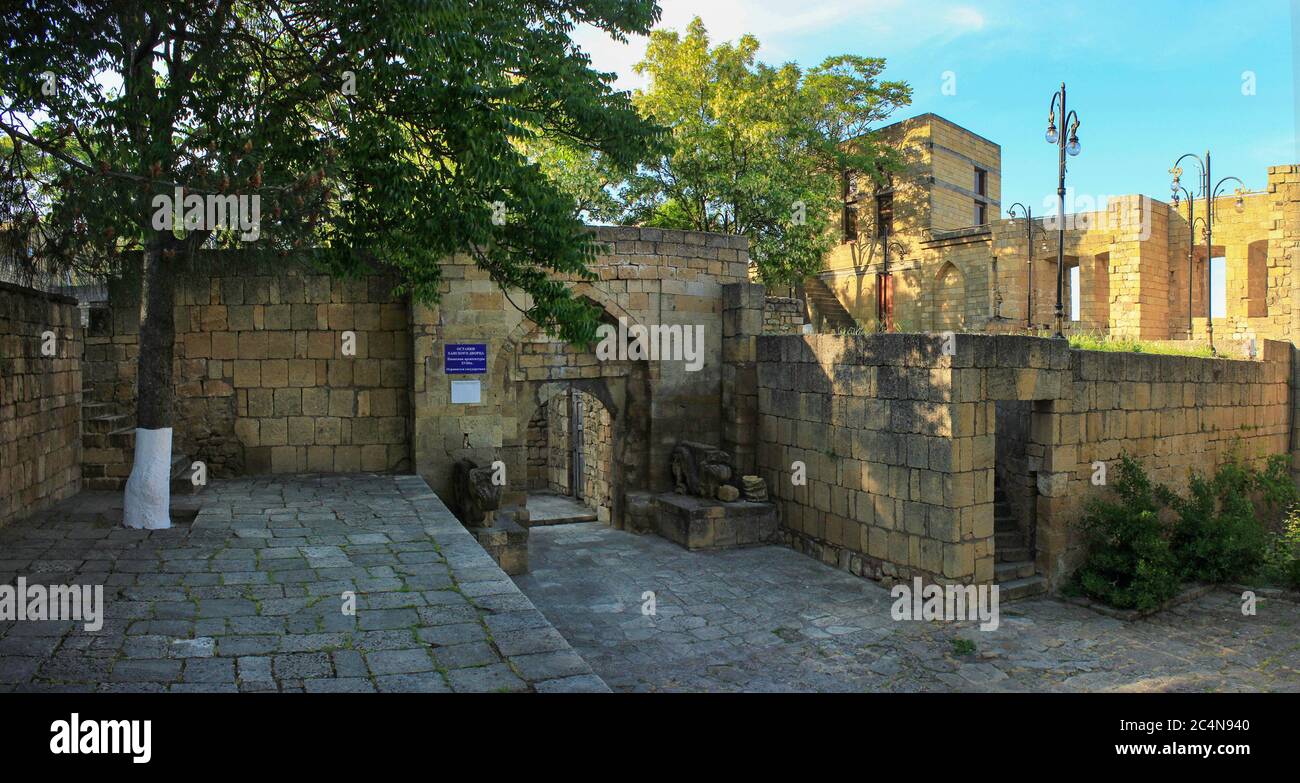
934,250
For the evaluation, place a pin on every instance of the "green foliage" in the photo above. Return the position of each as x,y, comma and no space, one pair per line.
1217,537
1282,554
1129,564
962,647
1275,484
1099,342
372,132
1220,533
756,149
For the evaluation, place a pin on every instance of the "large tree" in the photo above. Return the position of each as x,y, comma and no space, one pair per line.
370,133
757,149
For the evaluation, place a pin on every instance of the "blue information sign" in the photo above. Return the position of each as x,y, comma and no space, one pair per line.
464,358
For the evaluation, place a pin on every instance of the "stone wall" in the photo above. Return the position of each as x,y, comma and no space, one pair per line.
40,400
538,449
597,455
646,277
1172,413
264,382
783,315
899,439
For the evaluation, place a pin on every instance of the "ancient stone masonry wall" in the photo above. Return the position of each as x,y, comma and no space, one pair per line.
899,437
597,455
1172,413
40,401
263,383
782,315
645,276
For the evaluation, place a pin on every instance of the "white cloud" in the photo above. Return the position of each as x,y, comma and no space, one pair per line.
966,19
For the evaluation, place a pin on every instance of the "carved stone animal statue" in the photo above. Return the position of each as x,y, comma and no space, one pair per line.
474,495
699,469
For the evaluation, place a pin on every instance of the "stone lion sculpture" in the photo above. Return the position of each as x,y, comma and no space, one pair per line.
699,469
474,495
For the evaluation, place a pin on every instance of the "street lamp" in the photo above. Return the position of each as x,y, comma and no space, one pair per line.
1209,193
1067,141
1029,240
1192,221
882,279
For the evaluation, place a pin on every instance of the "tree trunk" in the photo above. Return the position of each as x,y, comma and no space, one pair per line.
148,490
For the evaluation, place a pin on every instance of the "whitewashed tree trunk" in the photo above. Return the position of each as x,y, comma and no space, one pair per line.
148,490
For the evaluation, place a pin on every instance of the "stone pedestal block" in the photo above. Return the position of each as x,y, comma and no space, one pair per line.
699,523
507,542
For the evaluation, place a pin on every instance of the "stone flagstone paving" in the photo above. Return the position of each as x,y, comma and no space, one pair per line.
249,597
770,619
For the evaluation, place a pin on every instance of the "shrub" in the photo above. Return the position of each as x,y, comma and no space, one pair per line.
1129,562
1282,555
1218,537
1275,484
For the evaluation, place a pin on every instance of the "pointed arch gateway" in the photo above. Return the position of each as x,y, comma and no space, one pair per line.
949,310
542,377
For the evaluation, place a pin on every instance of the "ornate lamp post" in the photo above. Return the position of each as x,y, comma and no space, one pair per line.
1192,220
1209,193
1029,241
883,280
1070,145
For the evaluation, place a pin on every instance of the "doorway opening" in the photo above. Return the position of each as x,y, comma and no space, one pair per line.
1017,458
570,458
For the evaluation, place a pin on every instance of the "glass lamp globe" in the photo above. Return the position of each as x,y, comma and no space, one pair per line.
1072,148
1051,135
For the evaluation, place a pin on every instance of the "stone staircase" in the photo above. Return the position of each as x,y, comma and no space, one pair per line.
1014,569
108,450
823,302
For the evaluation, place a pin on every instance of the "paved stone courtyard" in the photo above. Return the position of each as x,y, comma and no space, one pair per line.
770,619
250,597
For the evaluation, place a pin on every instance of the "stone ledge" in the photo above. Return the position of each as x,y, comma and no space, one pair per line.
697,523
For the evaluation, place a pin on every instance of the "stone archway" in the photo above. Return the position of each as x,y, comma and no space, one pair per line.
535,368
949,299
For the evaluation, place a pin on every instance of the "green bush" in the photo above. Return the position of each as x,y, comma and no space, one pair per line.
1129,564
1282,555
1218,536
1221,533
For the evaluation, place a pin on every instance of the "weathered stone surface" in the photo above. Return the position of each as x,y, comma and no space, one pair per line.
370,583
696,523
754,489
699,469
774,620
475,497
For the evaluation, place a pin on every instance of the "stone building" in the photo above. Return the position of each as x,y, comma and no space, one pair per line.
933,250
963,461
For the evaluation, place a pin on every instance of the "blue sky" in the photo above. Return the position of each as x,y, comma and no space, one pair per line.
1150,80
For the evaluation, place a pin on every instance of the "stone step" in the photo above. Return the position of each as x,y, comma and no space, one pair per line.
1008,571
1004,538
1017,589
1012,554
104,423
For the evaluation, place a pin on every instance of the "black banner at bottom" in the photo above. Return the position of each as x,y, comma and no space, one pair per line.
332,732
